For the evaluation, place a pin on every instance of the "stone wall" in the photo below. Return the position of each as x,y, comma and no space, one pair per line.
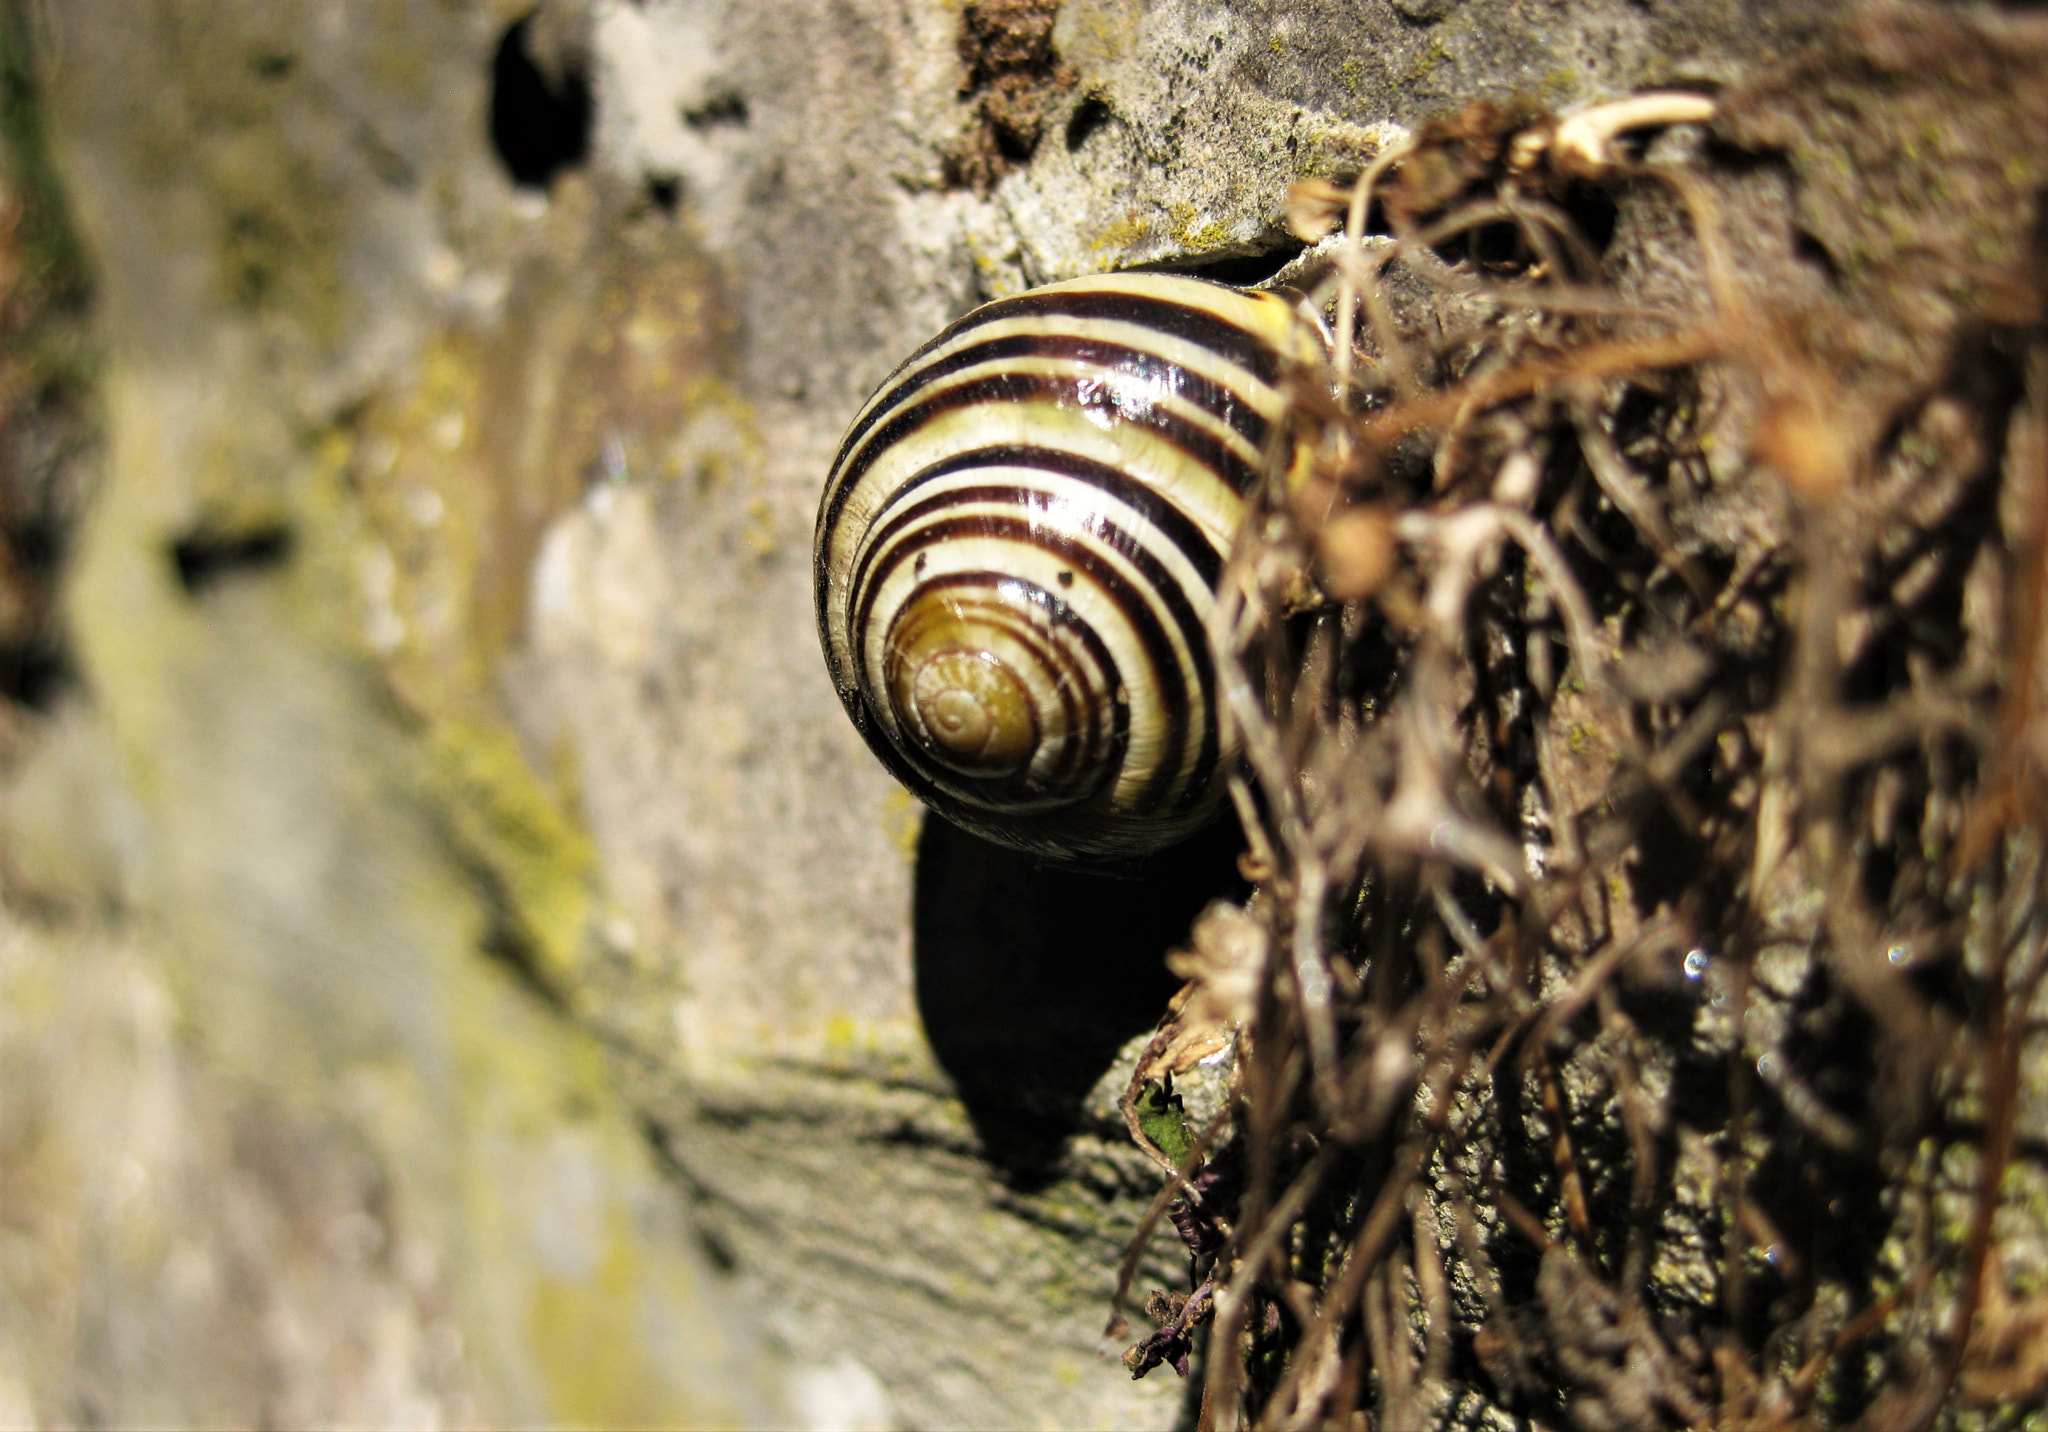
529,1000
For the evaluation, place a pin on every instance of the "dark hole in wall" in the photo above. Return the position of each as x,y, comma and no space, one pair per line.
203,559
1015,143
1506,245
1814,252
1030,978
35,666
1594,213
665,192
1477,900
540,124
1668,862
1016,83
1490,246
725,110
1088,117
35,672
272,64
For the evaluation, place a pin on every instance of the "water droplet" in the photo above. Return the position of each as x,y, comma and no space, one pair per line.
1696,963
1897,954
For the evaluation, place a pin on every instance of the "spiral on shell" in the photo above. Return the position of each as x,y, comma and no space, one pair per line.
1018,545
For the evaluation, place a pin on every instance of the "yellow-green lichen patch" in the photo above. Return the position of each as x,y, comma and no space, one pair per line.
610,348
1120,235
1559,87
903,819
536,860
594,1290
1194,232
1430,57
592,1352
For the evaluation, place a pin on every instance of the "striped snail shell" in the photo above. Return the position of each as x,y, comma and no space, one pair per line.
1018,546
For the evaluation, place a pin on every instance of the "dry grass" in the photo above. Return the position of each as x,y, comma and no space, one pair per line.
1634,1013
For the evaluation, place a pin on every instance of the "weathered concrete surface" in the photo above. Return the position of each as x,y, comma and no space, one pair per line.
191,1244
758,852
266,199
487,723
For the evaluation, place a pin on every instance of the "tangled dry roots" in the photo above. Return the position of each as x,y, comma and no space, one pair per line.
1639,1019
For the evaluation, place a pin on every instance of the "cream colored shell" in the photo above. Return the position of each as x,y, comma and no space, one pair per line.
1018,544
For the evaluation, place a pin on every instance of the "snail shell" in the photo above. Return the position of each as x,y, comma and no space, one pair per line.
1018,546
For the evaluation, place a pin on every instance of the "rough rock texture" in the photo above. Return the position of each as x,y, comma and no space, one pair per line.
445,606
774,881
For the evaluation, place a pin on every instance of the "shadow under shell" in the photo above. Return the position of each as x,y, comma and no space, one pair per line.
1030,977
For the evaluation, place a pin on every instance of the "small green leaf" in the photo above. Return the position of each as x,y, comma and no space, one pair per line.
1164,1121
